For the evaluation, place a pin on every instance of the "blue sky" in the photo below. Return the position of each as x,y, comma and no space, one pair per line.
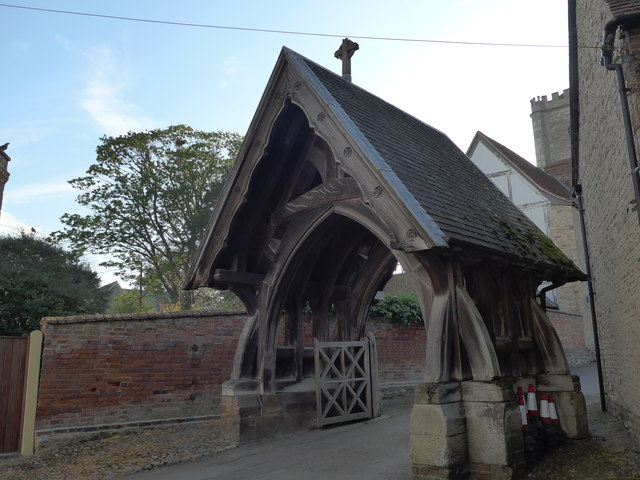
67,79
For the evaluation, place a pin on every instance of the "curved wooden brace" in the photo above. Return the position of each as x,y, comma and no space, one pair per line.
440,336
272,295
548,342
244,358
247,296
475,337
363,296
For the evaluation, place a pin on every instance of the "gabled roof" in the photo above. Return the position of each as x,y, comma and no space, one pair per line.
453,192
538,177
448,198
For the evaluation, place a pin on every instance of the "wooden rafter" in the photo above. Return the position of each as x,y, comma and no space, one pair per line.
334,190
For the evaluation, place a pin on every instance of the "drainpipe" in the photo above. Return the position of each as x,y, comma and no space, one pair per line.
574,108
577,193
543,293
623,21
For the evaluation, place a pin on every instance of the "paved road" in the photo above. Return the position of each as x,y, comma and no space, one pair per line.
588,379
377,449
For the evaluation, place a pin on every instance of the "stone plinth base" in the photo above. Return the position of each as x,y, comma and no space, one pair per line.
438,432
246,415
466,430
494,430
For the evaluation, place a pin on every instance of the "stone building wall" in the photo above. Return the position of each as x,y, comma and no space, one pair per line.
562,229
611,224
107,372
576,328
551,121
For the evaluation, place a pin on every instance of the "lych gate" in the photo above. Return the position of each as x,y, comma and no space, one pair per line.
332,188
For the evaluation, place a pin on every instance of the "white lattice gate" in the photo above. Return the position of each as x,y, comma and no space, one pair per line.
343,381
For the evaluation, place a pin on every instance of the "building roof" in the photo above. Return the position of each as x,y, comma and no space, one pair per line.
463,203
451,203
542,180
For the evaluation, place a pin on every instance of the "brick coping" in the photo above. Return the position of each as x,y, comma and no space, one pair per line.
124,426
139,316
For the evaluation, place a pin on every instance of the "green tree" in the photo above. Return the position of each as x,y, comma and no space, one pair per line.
217,300
39,279
130,301
150,195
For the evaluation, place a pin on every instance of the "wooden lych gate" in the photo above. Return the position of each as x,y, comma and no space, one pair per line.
332,188
343,382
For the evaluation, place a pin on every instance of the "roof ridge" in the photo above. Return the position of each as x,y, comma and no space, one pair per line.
287,50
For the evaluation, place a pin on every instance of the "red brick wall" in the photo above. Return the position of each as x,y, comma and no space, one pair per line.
569,328
117,369
127,370
401,351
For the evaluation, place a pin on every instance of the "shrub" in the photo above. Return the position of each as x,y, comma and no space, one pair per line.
402,309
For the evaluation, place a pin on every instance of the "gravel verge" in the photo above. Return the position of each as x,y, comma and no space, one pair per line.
118,455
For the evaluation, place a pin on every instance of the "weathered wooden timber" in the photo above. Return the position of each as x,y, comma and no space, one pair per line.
332,188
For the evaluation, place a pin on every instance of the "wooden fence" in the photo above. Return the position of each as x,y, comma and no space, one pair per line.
13,362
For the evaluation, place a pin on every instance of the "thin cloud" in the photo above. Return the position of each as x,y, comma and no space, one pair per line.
103,96
20,48
10,225
44,191
231,66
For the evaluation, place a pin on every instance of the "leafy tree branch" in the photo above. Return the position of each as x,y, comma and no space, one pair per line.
150,195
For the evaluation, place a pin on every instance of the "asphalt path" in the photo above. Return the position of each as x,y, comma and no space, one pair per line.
376,449
372,450
588,379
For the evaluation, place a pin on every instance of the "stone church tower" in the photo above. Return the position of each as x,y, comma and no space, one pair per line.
551,121
4,172
551,133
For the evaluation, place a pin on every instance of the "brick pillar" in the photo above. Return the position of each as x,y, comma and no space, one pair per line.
438,432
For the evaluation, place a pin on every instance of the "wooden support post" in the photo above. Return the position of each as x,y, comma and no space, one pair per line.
31,384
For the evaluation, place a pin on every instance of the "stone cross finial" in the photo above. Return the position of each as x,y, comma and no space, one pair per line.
344,53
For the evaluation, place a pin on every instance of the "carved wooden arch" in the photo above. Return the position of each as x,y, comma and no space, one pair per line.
277,248
451,318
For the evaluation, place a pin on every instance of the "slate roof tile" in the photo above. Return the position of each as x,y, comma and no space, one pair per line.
462,201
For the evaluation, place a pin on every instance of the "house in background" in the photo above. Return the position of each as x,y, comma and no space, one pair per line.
4,171
547,202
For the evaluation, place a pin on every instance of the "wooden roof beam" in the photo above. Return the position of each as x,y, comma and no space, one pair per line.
238,278
334,190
